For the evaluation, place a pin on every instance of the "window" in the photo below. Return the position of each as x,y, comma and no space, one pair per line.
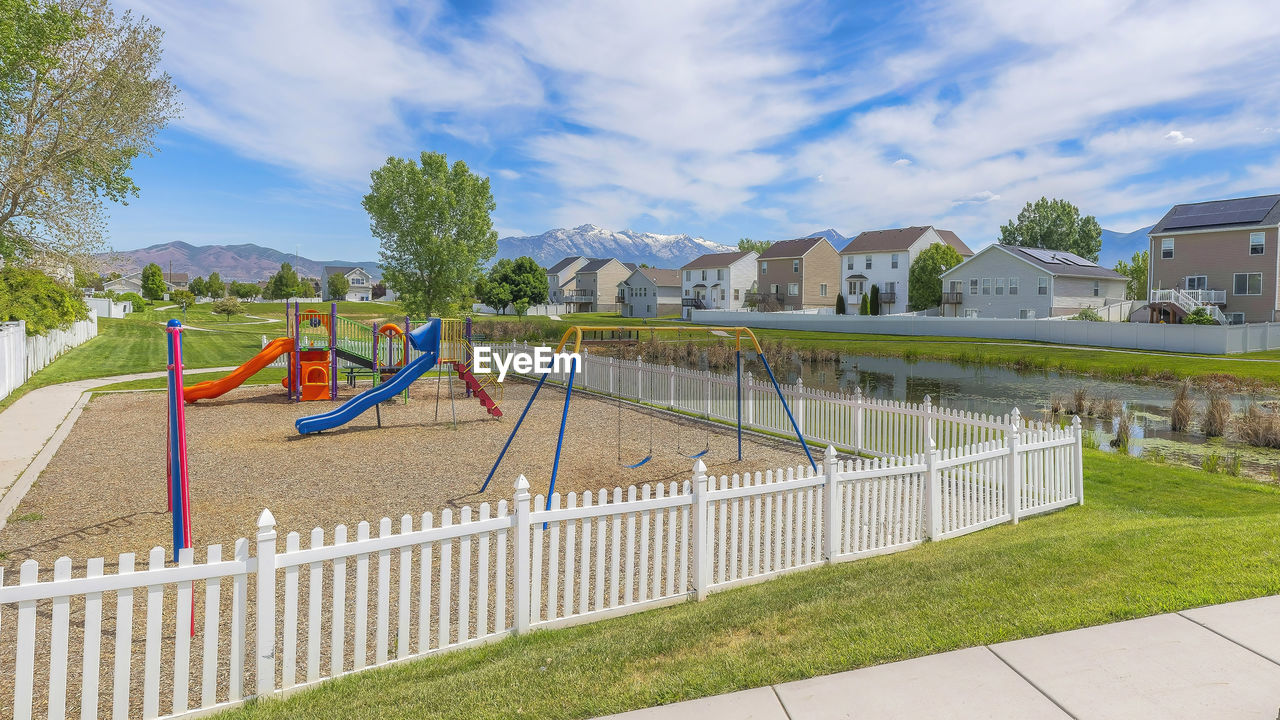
1248,283
720,274
973,286
688,274
1096,288
868,263
704,274
793,288
1013,286
1257,243
795,266
735,293
774,288
986,286
1235,318
686,292
721,293
1042,285
1166,249
764,266
954,286
893,261
1026,314
822,290
889,287
970,313
1197,282
999,286
848,264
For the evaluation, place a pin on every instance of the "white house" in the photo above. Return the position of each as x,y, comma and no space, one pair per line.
132,283
649,292
561,276
883,258
361,283
718,281
1006,281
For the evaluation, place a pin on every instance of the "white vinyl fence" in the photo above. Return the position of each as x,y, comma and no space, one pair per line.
208,633
22,356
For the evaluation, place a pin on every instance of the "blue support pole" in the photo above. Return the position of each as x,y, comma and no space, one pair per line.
175,458
738,361
794,426
564,417
513,431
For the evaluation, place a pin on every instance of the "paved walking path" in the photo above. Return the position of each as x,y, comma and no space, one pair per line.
36,424
1221,661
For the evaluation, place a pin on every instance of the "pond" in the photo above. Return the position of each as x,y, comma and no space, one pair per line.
996,390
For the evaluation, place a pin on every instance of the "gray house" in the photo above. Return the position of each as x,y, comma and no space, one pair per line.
649,292
1006,281
560,278
360,283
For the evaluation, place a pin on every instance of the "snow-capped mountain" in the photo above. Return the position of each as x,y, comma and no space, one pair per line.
668,251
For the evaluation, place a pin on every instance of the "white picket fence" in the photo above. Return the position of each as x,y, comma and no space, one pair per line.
22,356
215,632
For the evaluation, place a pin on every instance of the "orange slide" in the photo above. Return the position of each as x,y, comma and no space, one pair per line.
214,388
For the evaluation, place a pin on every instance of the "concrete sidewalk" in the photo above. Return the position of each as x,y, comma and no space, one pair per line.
35,425
1221,661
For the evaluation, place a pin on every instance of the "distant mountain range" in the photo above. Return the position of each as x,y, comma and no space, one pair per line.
1121,246
247,262
670,251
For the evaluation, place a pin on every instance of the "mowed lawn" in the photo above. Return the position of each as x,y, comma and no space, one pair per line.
1150,539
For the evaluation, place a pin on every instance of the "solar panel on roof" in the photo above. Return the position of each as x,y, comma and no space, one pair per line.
1222,212
1045,256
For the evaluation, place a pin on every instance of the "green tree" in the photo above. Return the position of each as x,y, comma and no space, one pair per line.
285,284
1088,315
1135,288
747,244
513,281
196,286
1054,225
139,303
214,287
185,298
494,294
81,96
435,227
338,286
865,308
226,306
153,282
874,302
924,289
86,279
30,295
245,291
1199,316
840,303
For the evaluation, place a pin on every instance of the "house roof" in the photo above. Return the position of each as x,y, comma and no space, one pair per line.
177,277
792,248
560,266
339,270
1058,263
1224,214
901,239
662,277
594,264
714,260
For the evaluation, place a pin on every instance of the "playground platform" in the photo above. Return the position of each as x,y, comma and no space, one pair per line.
1220,661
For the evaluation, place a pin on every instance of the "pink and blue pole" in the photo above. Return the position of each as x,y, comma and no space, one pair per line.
179,484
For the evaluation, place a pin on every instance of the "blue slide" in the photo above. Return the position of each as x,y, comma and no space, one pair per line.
425,339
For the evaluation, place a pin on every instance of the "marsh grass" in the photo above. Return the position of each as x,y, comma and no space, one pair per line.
1183,408
1258,427
1080,401
1217,414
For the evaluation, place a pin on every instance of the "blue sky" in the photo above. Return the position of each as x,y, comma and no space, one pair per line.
721,119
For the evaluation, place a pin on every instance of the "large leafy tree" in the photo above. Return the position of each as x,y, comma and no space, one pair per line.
30,295
152,282
286,284
196,286
1054,225
924,289
1135,288
81,96
338,286
747,244
520,282
214,287
435,227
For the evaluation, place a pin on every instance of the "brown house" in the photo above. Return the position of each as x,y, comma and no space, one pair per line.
796,275
1221,255
595,285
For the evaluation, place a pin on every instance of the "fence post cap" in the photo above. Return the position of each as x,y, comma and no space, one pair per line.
830,453
522,486
266,520
928,400
1075,421
1015,416
699,467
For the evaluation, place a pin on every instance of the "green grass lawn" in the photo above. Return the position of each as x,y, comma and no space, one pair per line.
1150,539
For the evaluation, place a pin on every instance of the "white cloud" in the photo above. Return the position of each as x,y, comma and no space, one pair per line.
1178,138
901,162
507,174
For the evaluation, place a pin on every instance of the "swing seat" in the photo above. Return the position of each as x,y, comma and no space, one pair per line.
633,467
697,455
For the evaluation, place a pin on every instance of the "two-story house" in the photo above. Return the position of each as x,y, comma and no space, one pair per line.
718,281
132,283
560,277
649,292
595,285
797,275
1007,281
883,258
1220,255
360,283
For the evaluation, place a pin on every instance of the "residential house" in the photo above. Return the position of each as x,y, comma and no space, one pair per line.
649,292
1221,255
718,281
595,285
560,277
796,275
360,288
1007,281
132,283
883,258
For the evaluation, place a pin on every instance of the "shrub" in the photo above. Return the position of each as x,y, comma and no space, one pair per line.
1199,316
839,303
227,306
30,295
1217,413
1180,413
139,303
1089,315
1210,463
